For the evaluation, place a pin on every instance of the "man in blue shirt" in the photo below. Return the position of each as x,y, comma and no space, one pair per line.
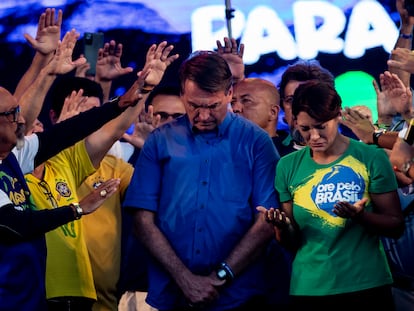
196,186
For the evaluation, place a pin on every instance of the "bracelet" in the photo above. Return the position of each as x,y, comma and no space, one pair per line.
405,36
146,88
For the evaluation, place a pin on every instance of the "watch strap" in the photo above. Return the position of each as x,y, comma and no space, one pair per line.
77,209
224,272
376,135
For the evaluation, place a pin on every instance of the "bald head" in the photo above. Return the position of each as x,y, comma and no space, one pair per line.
258,101
11,123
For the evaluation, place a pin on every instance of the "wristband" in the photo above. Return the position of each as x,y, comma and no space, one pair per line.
405,36
146,89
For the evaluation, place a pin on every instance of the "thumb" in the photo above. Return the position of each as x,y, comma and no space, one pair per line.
217,283
261,209
30,39
362,202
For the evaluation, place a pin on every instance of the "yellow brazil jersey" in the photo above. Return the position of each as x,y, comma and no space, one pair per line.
68,269
103,231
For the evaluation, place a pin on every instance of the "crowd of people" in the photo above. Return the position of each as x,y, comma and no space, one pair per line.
198,200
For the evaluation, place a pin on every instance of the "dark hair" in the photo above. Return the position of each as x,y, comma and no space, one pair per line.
208,70
318,99
304,70
63,87
173,90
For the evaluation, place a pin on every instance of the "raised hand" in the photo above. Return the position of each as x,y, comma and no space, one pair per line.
72,105
108,64
157,60
96,197
62,61
404,60
142,128
360,124
82,69
48,32
397,95
233,54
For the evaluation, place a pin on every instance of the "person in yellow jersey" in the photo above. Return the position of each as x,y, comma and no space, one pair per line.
69,275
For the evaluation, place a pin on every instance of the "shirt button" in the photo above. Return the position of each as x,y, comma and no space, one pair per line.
204,183
197,251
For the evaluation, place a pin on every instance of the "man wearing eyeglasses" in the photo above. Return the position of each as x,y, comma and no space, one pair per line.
195,190
22,226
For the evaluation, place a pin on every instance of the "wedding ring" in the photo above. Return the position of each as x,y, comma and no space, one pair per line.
103,193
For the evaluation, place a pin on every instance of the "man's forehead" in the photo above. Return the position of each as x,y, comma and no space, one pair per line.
7,100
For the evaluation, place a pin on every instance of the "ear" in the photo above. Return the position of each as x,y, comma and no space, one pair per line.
274,112
229,94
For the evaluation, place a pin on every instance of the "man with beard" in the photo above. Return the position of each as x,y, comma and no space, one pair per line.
22,226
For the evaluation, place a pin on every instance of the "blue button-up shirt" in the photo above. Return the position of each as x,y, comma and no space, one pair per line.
204,189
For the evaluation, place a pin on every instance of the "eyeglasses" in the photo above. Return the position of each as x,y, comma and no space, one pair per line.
288,99
165,115
46,191
12,115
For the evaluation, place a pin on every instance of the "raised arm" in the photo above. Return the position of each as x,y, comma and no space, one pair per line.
405,40
157,60
32,99
45,44
19,225
233,54
108,66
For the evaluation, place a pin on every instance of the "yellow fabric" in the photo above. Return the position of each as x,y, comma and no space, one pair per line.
68,269
103,231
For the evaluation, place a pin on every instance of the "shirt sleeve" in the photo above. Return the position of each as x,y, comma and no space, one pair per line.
26,155
143,191
68,132
18,225
264,193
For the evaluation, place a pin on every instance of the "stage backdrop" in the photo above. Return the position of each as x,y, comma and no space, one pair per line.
350,38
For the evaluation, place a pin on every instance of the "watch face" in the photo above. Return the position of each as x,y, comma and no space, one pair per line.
221,274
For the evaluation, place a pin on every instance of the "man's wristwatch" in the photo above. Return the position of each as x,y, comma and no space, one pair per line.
77,210
224,272
376,135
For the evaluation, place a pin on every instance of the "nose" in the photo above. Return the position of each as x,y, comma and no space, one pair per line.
237,107
314,134
204,114
20,119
